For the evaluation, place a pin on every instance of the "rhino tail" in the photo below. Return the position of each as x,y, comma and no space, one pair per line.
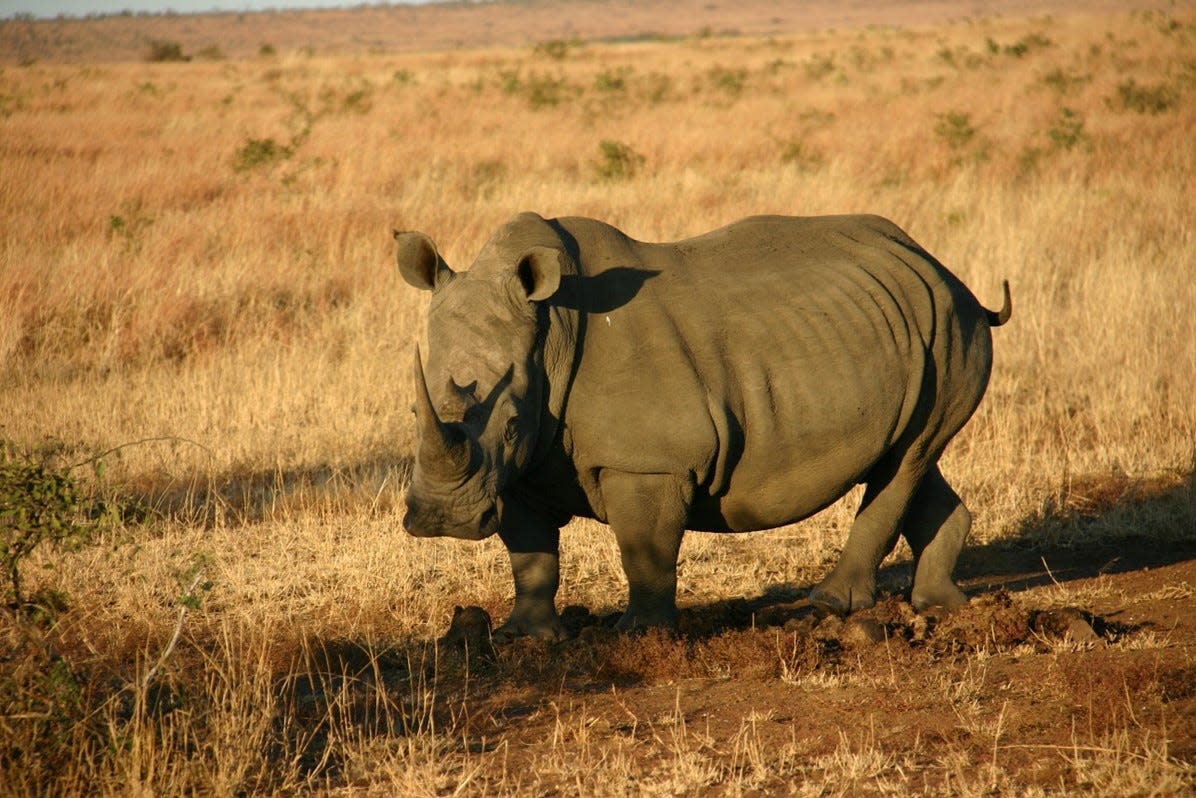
1001,316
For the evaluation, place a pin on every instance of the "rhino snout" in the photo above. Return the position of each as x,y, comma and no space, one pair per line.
423,520
418,521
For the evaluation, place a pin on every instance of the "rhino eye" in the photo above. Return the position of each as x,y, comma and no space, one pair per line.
512,428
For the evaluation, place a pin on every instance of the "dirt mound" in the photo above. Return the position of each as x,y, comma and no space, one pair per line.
1087,687
777,640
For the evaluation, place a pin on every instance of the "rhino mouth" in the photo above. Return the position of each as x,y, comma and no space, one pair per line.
424,520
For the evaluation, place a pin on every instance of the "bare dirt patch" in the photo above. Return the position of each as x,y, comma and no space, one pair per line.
1086,684
1073,668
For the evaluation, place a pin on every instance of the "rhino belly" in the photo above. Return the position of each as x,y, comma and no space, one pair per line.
788,451
765,498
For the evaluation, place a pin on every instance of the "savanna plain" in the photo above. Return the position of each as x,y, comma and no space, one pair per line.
205,392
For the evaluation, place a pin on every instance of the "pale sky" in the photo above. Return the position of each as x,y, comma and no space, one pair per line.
80,8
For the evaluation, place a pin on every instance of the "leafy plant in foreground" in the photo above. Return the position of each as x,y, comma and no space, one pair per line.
39,505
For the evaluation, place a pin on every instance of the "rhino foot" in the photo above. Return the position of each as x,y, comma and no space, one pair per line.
842,597
549,629
945,595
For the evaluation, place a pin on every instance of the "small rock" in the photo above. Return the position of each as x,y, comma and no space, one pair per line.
1067,623
802,625
919,628
576,617
597,633
469,629
828,628
933,615
862,632
1080,631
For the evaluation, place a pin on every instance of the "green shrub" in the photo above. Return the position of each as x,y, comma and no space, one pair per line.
510,81
612,80
618,161
797,153
211,53
961,57
1153,99
819,66
1028,160
360,100
255,153
40,506
267,50
1064,82
545,91
955,128
730,81
556,49
162,51
1020,48
658,87
486,177
1027,44
1067,132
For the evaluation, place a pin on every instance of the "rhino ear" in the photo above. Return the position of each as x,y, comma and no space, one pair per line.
419,262
539,272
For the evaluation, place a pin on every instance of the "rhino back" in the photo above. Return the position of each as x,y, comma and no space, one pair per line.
774,360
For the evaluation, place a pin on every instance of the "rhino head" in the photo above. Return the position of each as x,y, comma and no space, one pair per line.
478,402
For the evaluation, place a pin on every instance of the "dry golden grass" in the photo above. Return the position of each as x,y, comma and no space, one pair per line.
200,254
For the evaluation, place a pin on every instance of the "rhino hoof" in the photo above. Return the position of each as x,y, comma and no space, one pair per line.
947,596
840,602
511,630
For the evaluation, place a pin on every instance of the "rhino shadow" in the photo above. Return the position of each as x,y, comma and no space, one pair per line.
601,293
1101,524
241,495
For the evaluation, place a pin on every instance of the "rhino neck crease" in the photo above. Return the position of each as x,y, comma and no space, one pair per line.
561,331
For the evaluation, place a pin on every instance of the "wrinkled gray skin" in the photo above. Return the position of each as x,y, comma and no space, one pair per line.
736,381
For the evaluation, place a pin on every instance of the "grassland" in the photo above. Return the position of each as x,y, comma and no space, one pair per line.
197,290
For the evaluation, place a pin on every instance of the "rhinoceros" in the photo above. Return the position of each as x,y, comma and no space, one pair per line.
737,381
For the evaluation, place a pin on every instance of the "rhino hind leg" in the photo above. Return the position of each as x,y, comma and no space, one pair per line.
647,514
936,526
851,584
532,544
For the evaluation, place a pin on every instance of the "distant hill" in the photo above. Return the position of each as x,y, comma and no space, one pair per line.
513,23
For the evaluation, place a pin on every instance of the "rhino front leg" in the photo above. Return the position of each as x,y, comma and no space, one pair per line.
533,544
936,526
647,513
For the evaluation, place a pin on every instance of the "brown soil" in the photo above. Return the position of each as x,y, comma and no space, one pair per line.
1073,665
1027,678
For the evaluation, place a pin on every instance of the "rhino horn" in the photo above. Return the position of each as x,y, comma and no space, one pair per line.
442,447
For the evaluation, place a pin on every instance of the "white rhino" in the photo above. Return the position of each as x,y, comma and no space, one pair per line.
736,381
